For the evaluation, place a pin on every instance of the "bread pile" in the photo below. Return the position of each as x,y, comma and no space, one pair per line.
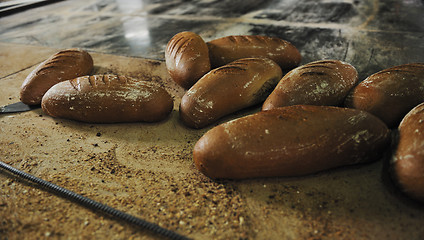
313,117
63,86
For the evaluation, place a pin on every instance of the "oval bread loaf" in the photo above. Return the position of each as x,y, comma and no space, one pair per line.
227,89
408,158
62,66
107,99
390,94
290,141
227,49
325,82
187,58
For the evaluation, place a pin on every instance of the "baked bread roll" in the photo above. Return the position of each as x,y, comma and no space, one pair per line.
107,99
227,89
408,158
290,141
227,49
325,82
62,66
187,58
391,93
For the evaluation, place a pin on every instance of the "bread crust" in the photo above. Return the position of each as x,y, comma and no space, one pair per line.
325,82
187,58
64,65
227,89
290,141
228,49
408,158
107,99
391,93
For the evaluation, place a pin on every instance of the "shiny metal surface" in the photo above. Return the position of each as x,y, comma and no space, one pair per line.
16,107
370,34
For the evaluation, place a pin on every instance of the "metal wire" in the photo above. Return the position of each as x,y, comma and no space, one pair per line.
93,205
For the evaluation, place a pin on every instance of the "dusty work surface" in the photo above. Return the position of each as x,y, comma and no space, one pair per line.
147,170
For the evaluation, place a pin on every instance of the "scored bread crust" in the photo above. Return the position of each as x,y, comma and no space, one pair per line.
325,82
107,99
230,48
227,89
64,65
187,58
391,93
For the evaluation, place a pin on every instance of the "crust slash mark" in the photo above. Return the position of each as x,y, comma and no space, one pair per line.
230,69
76,84
59,61
179,46
316,66
174,44
313,73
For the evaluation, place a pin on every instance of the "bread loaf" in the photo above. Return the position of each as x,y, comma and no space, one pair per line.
390,94
408,158
290,141
62,66
187,58
325,82
227,49
227,89
107,99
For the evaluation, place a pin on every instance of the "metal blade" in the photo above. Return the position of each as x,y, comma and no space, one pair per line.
17,107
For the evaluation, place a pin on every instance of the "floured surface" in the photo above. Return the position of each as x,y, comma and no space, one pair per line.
147,170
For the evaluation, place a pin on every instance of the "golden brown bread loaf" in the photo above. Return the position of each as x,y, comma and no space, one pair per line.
325,82
62,66
408,157
391,93
290,141
227,49
187,58
107,99
227,89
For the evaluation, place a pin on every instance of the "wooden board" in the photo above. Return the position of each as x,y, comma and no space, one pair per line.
146,169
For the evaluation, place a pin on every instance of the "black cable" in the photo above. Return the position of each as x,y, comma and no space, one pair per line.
19,7
93,205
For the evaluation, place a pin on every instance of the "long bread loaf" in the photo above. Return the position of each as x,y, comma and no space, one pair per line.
290,141
62,66
227,89
187,58
107,99
408,156
325,82
228,49
391,93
